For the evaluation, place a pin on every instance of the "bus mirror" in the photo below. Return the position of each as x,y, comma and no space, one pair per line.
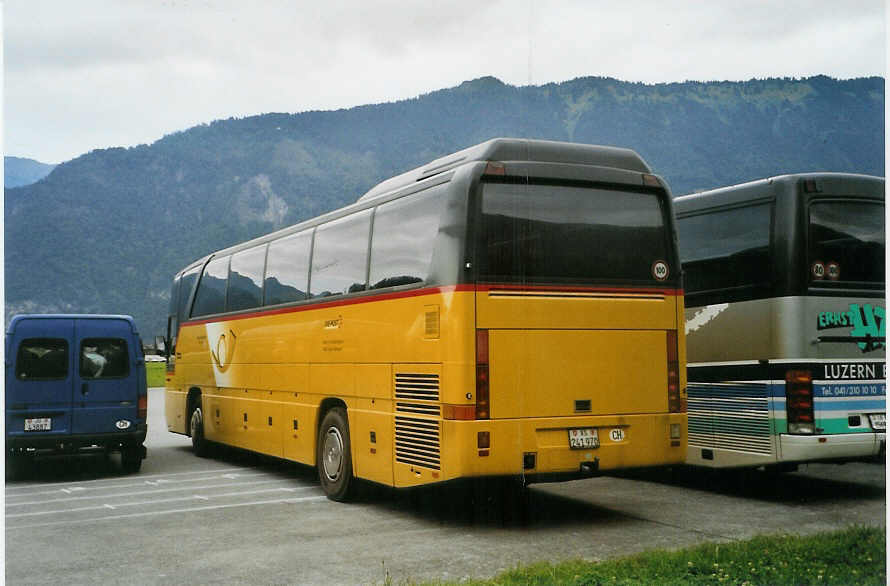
161,345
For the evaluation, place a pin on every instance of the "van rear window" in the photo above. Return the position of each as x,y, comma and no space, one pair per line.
42,359
104,358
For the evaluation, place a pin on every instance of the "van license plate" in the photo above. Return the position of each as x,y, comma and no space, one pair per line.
878,421
40,424
583,439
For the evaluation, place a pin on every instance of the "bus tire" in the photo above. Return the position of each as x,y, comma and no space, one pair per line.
334,458
196,427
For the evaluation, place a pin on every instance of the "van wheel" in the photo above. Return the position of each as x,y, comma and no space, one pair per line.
131,459
334,457
13,466
196,427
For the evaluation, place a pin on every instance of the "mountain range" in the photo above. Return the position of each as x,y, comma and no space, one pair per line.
106,231
18,171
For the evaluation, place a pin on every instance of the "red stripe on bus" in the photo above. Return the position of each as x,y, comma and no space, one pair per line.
577,289
428,291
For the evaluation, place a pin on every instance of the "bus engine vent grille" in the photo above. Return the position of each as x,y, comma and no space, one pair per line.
417,442
420,408
419,387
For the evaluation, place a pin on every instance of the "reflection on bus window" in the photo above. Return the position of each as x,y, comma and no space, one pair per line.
287,269
246,280
211,294
404,233
340,257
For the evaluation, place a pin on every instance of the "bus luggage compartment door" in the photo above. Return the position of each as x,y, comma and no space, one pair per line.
553,373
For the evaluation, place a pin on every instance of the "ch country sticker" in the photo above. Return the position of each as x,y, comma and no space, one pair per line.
866,323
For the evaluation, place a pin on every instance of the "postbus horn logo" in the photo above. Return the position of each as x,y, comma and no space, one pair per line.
224,350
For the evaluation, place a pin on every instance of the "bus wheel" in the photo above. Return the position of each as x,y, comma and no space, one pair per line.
334,457
196,427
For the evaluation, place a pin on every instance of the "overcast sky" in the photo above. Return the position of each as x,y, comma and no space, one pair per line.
87,74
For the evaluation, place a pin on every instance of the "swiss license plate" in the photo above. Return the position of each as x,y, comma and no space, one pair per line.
878,421
39,424
583,439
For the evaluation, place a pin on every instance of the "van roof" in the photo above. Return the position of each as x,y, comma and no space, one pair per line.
50,316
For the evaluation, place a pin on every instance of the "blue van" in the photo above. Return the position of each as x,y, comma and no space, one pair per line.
75,384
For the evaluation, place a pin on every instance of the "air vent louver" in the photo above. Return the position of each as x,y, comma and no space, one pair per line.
419,387
417,442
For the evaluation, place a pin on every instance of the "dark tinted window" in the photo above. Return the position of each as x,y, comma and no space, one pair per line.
404,233
846,242
186,286
287,269
42,359
246,279
563,234
104,358
340,257
726,249
211,294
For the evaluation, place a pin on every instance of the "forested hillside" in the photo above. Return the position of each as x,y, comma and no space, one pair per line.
106,231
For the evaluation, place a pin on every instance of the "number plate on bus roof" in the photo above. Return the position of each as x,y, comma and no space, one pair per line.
39,424
878,421
583,439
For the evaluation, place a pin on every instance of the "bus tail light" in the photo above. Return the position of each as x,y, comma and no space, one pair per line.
482,383
676,403
142,407
799,402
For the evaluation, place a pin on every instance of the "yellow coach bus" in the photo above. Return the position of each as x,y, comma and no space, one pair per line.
513,309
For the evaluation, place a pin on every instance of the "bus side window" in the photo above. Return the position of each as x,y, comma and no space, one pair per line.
246,279
728,249
287,269
404,234
340,256
211,295
186,286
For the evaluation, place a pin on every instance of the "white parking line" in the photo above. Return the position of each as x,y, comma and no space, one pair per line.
142,482
30,487
305,499
141,492
156,502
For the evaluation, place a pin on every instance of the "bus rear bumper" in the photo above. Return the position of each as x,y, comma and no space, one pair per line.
802,448
539,448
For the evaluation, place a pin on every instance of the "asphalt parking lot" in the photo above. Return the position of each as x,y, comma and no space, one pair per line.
240,518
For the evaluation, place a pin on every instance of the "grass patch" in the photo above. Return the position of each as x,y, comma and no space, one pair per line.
156,373
851,556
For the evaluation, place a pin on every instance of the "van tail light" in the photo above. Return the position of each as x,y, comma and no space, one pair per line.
142,407
483,409
799,402
676,403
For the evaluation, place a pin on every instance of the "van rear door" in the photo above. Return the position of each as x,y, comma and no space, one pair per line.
39,377
106,387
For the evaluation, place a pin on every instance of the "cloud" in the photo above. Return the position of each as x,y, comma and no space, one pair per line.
97,73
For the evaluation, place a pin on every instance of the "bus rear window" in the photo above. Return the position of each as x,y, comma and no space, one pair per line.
846,243
575,235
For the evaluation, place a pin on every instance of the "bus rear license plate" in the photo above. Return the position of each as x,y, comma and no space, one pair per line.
40,424
878,421
583,439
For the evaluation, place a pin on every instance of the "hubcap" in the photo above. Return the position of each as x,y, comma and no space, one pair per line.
196,421
332,456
